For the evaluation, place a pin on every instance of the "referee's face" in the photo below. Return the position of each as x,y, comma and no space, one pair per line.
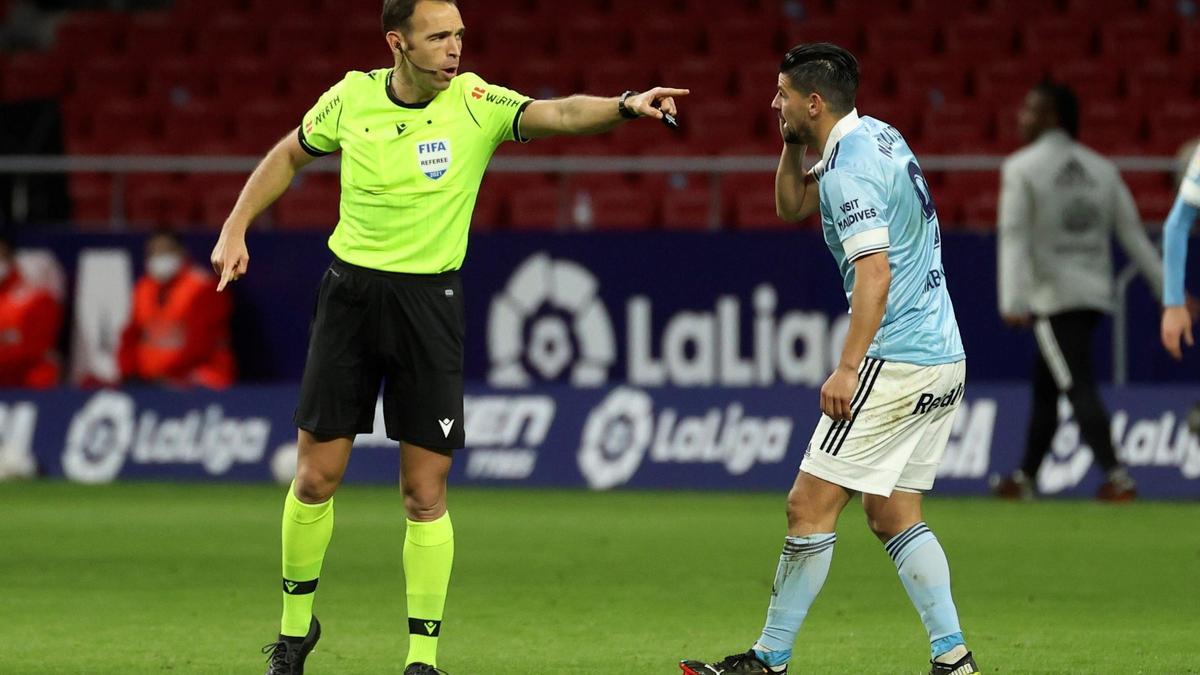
433,44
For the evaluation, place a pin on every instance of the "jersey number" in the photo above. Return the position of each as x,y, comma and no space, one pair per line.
925,196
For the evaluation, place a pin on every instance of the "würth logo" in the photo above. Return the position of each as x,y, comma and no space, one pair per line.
478,92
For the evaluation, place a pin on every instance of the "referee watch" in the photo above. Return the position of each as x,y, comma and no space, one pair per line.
625,111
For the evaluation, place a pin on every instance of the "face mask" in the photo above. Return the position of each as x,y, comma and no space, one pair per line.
163,266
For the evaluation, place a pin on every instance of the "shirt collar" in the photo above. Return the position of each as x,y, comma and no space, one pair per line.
844,126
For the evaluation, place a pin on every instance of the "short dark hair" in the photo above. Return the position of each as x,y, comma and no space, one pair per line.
397,13
1064,102
826,69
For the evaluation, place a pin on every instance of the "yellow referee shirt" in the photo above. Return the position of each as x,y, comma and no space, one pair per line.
410,172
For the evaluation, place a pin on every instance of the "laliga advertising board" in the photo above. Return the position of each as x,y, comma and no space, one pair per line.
554,435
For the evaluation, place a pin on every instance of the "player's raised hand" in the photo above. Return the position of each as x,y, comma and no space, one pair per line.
230,259
1176,325
654,102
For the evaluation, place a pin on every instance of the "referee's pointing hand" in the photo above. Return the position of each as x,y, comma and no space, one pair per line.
229,259
654,102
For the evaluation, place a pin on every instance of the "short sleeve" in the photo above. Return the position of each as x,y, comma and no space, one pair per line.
857,209
1189,189
497,109
319,129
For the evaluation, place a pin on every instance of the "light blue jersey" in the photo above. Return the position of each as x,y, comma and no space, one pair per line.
875,198
1176,230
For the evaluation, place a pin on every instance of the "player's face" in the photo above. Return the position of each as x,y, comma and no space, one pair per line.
792,108
434,43
1033,117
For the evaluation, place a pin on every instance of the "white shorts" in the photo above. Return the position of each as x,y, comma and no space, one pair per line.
902,416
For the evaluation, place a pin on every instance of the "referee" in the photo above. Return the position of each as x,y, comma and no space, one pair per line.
415,140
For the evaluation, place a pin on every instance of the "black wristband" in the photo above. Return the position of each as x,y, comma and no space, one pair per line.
626,112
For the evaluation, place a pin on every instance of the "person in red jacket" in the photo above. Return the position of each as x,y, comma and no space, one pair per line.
178,332
30,318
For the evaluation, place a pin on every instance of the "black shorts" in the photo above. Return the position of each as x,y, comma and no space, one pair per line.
402,330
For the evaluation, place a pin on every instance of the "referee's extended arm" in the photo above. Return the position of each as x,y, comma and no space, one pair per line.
579,115
271,177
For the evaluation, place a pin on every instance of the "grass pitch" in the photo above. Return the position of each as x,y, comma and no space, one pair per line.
152,578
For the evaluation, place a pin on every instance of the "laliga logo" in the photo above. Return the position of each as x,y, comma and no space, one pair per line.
623,431
551,306
108,431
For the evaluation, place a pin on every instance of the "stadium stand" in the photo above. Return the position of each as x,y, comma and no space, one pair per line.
225,78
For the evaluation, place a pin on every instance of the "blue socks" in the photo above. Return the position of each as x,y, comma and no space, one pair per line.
925,574
802,570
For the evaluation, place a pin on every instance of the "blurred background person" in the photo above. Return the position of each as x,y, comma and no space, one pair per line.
1060,204
178,333
30,318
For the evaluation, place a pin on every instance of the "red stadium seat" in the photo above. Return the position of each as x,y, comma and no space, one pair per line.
931,81
247,79
718,123
1171,124
687,209
311,202
979,212
900,39
1057,38
755,210
1189,41
1110,128
88,35
33,76
150,37
116,122
839,31
198,128
1089,80
660,39
1147,37
622,208
179,79
855,10
979,39
611,76
734,39
708,78
1115,9
517,38
488,214
195,11
273,10
1153,82
954,127
544,78
535,209
285,34
1154,205
310,78
1005,82
158,201
1007,134
91,198
111,77
584,38
1022,8
229,36
261,123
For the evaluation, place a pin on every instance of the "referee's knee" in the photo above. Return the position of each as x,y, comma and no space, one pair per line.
424,500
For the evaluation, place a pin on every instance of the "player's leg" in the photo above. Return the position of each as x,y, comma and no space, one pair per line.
1073,331
308,524
1043,422
423,408
818,495
923,569
337,401
897,520
428,547
813,507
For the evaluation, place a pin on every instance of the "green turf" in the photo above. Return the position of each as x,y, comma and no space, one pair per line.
184,578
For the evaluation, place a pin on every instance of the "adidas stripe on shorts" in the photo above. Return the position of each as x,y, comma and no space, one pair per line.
902,417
